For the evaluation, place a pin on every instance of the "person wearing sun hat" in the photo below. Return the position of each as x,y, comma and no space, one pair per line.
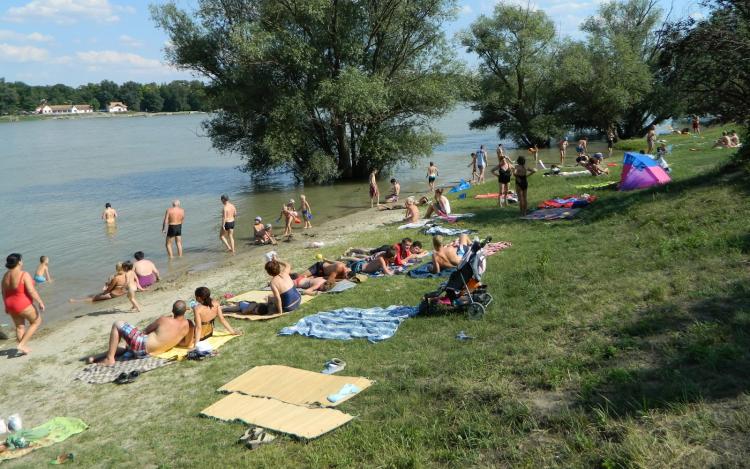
258,230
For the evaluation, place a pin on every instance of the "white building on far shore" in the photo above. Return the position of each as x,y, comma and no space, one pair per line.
117,107
64,109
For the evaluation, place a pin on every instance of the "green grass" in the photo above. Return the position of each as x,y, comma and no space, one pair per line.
617,339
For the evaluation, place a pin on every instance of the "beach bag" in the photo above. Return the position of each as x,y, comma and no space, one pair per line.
359,278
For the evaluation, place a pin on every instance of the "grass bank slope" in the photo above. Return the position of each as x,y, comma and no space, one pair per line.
617,339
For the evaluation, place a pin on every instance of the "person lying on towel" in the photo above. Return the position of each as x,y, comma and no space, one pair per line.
159,337
380,261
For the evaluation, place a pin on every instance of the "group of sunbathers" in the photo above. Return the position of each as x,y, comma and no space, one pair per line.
728,140
166,332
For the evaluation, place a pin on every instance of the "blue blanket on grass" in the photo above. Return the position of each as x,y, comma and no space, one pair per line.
373,324
423,272
441,230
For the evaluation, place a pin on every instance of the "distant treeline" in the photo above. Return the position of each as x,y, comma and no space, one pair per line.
179,95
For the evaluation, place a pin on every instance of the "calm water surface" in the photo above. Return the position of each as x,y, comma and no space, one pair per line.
58,174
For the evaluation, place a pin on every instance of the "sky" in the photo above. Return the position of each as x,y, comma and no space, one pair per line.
75,42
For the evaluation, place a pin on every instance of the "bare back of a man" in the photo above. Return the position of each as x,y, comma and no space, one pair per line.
228,213
172,227
159,337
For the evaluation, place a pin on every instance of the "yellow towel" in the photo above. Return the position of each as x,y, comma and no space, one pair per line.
217,340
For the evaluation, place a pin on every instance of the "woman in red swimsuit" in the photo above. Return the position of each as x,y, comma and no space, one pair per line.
19,295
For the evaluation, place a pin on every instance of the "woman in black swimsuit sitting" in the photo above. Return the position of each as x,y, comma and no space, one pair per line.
503,172
522,172
205,315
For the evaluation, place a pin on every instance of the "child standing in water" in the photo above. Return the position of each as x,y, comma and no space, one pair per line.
42,272
306,212
432,173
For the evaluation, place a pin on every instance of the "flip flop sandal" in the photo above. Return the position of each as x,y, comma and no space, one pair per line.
263,439
250,434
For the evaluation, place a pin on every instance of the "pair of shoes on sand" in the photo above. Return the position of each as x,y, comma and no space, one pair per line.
255,437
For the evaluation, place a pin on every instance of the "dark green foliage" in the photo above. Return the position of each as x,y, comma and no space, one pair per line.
325,89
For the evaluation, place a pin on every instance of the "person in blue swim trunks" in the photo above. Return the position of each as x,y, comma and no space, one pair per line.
42,272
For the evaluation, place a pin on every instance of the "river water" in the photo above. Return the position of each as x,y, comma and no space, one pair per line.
58,174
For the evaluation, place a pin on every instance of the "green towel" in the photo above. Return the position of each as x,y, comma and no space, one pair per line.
28,436
56,430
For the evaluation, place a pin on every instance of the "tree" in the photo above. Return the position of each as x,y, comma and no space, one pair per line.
324,88
130,95
707,60
8,98
108,92
152,100
516,94
175,96
623,54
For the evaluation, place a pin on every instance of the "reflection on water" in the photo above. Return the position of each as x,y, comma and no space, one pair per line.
110,229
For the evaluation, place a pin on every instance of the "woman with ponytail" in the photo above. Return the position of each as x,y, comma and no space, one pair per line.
205,314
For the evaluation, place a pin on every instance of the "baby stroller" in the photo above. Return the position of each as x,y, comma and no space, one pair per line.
463,289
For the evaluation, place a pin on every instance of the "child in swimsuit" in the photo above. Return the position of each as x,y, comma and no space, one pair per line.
42,272
306,212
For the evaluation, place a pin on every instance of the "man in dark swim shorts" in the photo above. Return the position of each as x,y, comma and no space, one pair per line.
228,213
173,218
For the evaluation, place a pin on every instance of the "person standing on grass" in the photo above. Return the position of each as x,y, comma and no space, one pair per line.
474,175
481,163
503,172
651,139
562,145
173,218
306,211
432,173
696,124
19,295
522,172
500,154
374,192
610,141
582,146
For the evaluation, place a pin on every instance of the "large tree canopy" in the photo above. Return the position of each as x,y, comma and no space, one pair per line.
612,79
708,60
324,88
517,48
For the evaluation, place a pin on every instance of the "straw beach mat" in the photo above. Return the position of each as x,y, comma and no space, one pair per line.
292,385
258,296
266,412
285,399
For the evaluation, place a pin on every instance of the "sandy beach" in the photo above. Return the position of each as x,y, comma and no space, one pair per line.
73,339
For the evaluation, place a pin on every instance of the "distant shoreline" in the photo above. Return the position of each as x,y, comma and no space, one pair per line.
92,115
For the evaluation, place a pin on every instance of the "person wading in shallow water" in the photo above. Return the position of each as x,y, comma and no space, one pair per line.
173,218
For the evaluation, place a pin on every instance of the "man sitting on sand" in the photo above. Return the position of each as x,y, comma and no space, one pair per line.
447,257
412,212
159,337
334,270
380,262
